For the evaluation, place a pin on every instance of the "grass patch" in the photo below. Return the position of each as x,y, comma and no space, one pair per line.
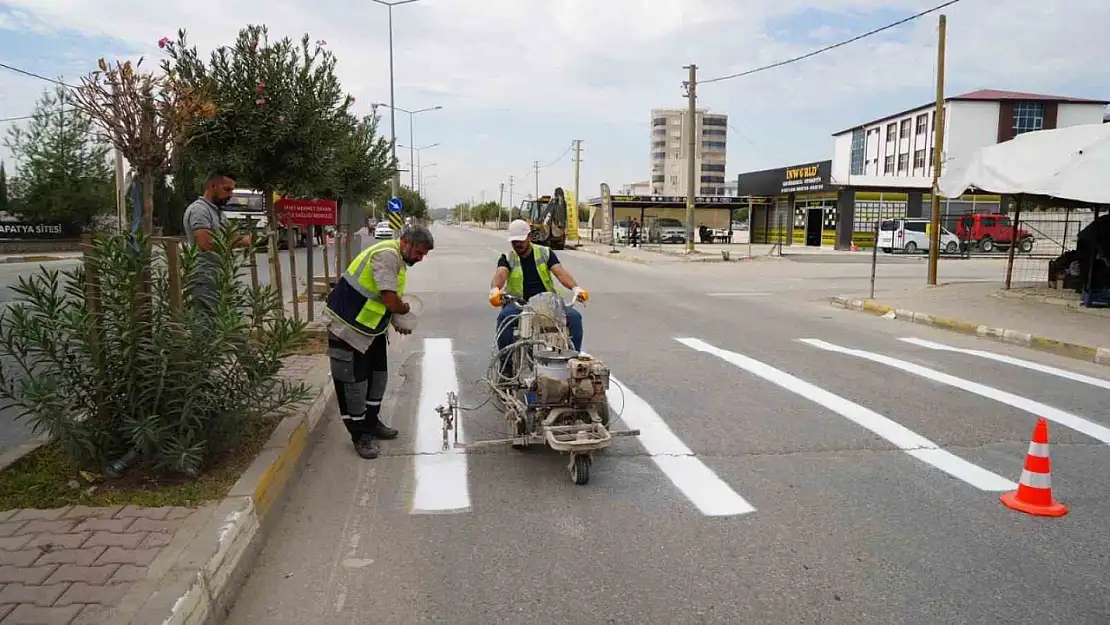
46,478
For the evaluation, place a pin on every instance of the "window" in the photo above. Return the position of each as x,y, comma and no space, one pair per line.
922,123
932,157
716,179
713,145
891,130
904,131
674,179
1028,117
712,167
888,165
903,161
659,155
659,121
659,132
919,159
714,121
659,178
858,149
915,226
714,132
658,144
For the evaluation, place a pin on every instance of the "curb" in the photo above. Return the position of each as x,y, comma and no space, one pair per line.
195,580
15,454
35,259
1098,355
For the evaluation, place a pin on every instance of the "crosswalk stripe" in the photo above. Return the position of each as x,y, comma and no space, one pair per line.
1010,360
905,439
708,492
441,475
1062,417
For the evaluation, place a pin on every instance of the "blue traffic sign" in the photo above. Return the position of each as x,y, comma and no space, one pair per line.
394,205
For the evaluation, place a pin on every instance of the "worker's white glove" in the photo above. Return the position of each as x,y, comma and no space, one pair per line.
580,294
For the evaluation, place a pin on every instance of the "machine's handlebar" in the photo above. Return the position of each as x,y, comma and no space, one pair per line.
520,301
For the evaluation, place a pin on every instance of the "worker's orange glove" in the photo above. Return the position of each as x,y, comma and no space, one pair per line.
495,298
581,294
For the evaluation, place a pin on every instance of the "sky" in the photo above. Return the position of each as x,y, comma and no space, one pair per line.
519,80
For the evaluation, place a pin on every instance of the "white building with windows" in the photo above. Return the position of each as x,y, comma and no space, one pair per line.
669,152
897,151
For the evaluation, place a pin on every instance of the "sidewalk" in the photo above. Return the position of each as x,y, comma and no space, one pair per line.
133,565
1029,320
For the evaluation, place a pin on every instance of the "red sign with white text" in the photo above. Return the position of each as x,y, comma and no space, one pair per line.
307,212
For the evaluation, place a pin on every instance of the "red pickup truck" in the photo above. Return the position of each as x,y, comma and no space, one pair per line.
988,230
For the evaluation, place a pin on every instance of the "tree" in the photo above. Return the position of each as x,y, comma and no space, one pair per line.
3,188
359,164
279,112
63,172
147,117
412,203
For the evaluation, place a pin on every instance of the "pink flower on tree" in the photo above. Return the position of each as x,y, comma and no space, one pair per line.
321,43
281,118
260,88
260,101
164,41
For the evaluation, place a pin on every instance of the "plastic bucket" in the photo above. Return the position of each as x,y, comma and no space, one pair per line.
408,320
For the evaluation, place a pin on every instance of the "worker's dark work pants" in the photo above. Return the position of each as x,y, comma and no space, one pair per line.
360,380
507,335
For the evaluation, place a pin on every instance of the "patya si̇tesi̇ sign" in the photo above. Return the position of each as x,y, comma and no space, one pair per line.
307,212
30,231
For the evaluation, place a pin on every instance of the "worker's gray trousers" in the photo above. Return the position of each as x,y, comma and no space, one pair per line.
360,380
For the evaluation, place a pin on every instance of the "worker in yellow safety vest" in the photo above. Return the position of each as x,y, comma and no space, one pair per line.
359,310
523,272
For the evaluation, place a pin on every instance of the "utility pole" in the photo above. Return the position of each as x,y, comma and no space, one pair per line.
536,169
691,152
938,148
500,205
577,176
511,180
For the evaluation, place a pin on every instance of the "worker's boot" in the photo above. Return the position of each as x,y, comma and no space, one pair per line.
379,430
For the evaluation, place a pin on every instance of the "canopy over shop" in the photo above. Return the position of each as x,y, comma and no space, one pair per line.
1060,167
714,212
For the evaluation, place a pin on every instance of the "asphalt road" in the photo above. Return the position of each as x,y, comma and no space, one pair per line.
777,481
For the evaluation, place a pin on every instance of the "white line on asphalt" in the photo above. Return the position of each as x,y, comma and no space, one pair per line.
903,438
1067,419
1017,362
441,476
739,294
708,492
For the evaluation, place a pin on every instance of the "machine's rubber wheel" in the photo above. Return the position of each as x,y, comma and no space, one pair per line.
604,412
580,469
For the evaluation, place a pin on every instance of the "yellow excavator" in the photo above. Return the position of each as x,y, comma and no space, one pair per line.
548,217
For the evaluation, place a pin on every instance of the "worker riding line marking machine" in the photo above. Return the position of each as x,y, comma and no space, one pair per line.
550,394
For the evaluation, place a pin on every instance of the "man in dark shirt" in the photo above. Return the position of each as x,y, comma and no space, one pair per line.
525,272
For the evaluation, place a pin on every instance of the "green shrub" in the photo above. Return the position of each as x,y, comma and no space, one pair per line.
174,386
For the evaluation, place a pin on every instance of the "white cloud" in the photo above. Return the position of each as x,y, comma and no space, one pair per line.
519,80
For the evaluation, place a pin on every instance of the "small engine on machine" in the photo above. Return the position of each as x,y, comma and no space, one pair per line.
569,378
589,380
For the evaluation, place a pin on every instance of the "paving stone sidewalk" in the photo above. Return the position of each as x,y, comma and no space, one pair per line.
69,566
74,565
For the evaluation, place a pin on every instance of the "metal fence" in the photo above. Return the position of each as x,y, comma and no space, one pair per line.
1046,244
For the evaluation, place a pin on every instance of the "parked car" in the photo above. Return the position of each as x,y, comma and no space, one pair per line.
383,231
912,236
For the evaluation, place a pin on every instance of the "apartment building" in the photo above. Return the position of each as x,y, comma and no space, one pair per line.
670,152
897,150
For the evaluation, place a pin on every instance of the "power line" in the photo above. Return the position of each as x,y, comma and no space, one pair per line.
15,119
834,46
34,75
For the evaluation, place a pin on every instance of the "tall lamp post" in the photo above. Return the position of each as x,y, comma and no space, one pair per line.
389,4
417,165
392,109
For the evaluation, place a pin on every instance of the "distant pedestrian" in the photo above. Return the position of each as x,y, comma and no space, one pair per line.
203,219
634,233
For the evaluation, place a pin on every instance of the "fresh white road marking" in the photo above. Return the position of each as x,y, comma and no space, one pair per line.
1067,419
441,476
708,492
903,438
1017,362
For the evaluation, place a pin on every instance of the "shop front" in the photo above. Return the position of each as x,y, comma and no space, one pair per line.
803,207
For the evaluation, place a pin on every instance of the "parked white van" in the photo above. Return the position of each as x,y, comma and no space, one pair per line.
911,236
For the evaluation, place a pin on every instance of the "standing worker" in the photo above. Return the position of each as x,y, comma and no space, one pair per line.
359,310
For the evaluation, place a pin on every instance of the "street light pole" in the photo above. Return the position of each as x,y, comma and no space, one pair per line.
396,180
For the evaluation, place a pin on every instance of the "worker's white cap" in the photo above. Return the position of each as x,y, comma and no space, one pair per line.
519,230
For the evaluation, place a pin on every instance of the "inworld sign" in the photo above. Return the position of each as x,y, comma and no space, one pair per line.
794,173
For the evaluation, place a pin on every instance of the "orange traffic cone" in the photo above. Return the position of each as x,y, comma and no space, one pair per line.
1034,491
